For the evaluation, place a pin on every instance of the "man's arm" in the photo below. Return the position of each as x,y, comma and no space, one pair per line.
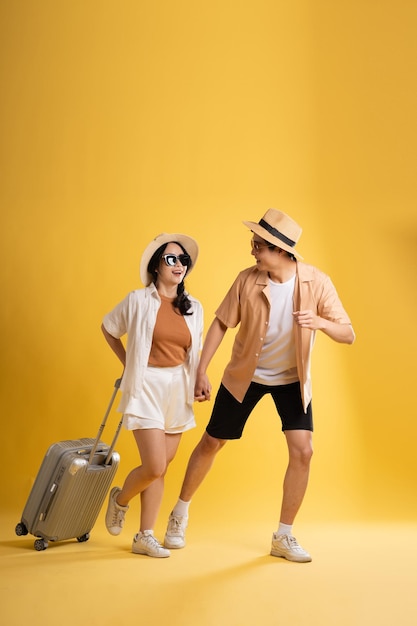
214,337
342,333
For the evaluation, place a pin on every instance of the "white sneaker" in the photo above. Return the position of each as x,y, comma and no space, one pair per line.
115,515
175,534
145,543
287,547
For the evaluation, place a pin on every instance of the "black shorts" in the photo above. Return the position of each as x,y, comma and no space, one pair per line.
229,416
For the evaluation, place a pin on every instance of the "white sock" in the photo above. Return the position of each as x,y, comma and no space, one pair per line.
284,529
181,508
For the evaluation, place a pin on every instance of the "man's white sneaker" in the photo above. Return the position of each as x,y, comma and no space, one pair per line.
145,543
287,547
175,534
115,515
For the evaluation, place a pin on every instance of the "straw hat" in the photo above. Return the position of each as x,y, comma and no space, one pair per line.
188,243
278,228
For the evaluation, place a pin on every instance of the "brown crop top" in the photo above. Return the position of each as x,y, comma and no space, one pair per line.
171,337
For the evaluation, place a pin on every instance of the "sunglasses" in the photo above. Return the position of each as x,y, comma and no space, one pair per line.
171,259
257,245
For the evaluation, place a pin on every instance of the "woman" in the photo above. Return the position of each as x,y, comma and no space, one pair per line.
164,327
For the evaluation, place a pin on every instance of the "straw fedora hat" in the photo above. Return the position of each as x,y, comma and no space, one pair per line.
278,228
188,243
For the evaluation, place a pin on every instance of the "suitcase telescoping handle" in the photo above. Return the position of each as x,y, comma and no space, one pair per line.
102,425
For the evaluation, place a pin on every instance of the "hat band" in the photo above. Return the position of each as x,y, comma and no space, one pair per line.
273,231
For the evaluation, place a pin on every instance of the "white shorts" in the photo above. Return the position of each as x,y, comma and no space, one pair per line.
163,402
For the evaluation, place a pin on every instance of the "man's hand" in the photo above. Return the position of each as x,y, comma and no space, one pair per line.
308,319
343,333
202,389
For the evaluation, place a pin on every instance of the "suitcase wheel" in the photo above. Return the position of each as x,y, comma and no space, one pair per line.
40,544
21,529
83,538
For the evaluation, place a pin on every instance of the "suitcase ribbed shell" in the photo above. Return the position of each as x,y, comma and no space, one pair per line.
68,492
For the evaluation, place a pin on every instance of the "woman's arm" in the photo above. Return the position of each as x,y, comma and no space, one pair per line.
116,345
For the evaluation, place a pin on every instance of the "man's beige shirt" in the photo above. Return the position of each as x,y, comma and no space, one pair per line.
248,303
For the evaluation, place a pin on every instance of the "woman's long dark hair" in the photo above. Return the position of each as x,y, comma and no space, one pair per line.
181,302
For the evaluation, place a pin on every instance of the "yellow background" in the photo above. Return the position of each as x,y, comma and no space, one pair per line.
120,120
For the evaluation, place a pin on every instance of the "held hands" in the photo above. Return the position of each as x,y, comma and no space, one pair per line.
202,389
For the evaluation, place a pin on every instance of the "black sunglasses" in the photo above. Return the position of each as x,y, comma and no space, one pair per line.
171,259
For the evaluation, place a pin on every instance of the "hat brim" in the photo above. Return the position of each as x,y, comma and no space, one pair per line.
262,232
188,243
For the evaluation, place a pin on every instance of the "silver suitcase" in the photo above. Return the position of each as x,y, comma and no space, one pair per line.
70,487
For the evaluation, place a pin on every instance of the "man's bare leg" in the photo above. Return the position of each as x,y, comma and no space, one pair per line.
198,467
300,451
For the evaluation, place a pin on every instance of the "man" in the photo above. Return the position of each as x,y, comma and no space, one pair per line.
279,303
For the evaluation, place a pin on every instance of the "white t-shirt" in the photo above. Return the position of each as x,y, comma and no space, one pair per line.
277,362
